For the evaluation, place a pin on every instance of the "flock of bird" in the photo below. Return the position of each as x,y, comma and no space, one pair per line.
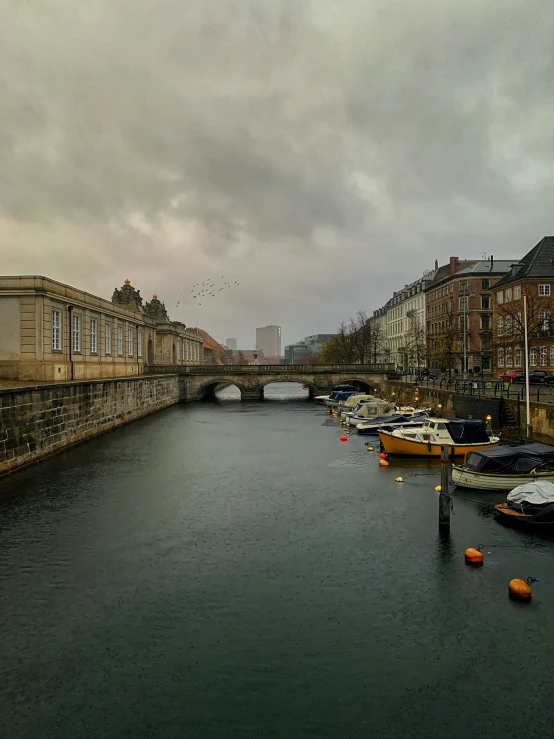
204,290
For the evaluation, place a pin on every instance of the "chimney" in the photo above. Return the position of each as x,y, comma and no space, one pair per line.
436,263
453,264
492,262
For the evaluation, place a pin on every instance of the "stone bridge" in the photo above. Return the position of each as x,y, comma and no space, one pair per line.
197,382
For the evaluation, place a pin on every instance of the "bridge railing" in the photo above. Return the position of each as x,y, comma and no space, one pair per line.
274,369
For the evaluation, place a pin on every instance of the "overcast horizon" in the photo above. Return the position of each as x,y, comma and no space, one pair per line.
321,154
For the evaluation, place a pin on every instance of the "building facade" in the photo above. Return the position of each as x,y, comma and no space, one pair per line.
405,323
268,341
231,344
53,332
533,277
459,314
378,323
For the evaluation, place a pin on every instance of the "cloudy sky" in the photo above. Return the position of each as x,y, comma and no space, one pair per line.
321,153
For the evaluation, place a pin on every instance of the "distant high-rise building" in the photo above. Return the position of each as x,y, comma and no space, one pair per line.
231,344
268,340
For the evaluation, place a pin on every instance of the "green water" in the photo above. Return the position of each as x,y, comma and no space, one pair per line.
234,570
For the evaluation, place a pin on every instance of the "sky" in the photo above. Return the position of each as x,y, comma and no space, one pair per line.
323,154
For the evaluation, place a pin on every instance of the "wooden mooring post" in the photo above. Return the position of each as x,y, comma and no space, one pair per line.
444,497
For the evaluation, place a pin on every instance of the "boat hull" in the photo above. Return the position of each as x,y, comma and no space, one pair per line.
488,481
412,448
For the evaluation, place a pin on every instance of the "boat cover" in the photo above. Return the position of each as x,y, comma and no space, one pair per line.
534,493
464,431
507,459
396,418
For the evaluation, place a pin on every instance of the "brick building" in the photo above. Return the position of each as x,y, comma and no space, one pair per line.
534,276
459,312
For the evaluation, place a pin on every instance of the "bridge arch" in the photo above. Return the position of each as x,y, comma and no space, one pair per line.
365,386
207,389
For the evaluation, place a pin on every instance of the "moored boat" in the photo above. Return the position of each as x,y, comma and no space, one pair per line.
368,410
505,467
460,435
529,504
352,402
337,397
373,426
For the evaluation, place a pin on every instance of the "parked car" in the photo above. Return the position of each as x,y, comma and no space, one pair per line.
550,379
511,375
536,377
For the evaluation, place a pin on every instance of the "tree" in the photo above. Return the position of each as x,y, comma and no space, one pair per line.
240,358
416,345
357,341
446,346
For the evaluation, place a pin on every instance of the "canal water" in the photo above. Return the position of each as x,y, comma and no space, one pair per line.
235,570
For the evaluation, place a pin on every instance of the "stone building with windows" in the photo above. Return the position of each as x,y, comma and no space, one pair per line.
405,323
459,296
53,332
533,276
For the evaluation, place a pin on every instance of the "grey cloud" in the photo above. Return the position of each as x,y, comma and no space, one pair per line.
176,135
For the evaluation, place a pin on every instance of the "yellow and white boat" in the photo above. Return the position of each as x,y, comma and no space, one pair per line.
462,436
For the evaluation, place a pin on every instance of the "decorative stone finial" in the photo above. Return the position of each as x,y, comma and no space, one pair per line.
127,282
154,297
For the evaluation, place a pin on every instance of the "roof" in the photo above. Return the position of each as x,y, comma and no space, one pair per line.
209,341
486,266
539,262
444,272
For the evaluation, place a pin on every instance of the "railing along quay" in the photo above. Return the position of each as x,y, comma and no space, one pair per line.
540,392
272,369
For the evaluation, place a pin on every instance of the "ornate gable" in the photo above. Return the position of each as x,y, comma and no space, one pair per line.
128,297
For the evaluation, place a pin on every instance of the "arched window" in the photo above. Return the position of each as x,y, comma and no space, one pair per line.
501,357
509,357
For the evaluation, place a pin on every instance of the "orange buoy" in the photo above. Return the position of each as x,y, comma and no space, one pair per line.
519,590
473,556
383,463
344,438
382,455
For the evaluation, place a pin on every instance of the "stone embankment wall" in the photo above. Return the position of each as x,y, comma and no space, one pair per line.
36,422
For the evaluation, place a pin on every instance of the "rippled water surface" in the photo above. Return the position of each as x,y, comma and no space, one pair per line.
234,570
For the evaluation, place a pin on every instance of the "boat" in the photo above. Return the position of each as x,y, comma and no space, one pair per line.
505,467
337,397
529,504
462,436
367,411
352,402
338,389
373,426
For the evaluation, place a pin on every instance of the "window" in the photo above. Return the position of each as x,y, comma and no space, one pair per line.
76,333
486,344
93,335
552,356
485,302
517,361
518,327
130,341
509,357
501,357
517,292
544,289
543,354
485,322
508,325
533,357
463,303
57,330
500,327
485,284
108,338
463,320
500,297
544,321
508,295
463,285
120,340
139,343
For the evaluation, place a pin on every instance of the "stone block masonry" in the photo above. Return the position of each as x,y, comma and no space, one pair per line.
36,422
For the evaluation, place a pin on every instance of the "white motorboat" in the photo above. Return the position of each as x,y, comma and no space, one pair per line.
505,467
373,426
352,402
366,411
